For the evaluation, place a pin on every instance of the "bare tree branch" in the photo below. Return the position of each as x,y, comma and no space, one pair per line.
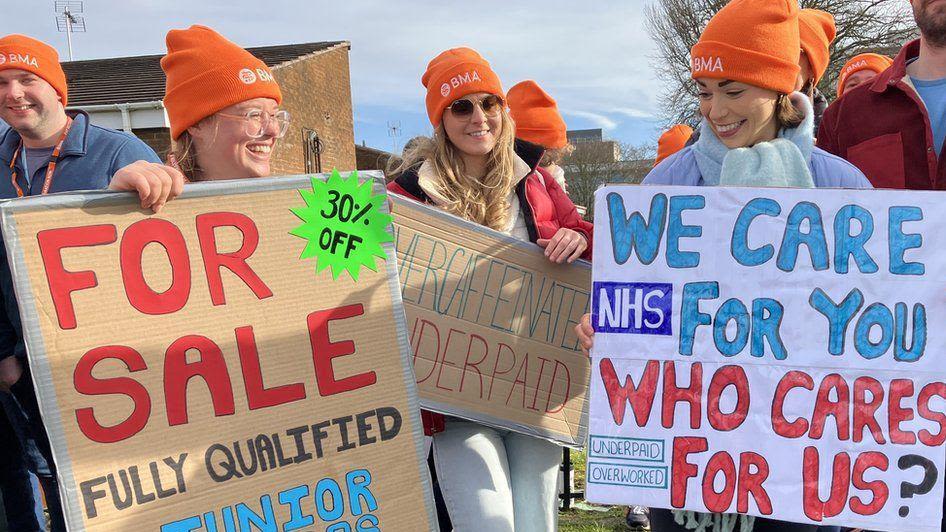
588,169
881,26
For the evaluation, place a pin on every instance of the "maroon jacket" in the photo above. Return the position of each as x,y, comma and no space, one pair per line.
544,205
883,128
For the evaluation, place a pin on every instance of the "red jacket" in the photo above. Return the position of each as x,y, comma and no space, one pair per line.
544,205
883,128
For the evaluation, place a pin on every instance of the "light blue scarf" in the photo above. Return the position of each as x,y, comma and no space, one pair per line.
782,162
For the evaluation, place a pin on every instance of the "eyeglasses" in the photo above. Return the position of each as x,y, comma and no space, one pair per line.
463,108
255,122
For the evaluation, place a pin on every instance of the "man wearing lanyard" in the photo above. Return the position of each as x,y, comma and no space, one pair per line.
47,150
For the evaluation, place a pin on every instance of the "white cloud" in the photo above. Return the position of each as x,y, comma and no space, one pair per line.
634,113
599,120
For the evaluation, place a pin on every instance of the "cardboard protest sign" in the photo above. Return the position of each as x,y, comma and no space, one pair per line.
491,323
767,352
195,373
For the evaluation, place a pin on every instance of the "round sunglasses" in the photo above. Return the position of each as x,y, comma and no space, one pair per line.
463,108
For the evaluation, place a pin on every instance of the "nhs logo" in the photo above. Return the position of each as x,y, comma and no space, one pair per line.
632,308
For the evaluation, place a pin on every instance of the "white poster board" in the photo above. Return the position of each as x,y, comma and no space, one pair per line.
773,352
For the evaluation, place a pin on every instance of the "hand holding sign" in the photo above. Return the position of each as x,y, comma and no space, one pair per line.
776,345
565,245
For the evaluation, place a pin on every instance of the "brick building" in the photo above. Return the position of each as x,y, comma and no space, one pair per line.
591,144
125,93
373,158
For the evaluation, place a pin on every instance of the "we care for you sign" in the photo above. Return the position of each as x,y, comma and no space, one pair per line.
770,352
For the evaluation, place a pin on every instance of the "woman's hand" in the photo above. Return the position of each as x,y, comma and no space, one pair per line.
586,334
156,184
566,245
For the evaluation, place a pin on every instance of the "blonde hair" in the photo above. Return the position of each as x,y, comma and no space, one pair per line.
183,154
484,200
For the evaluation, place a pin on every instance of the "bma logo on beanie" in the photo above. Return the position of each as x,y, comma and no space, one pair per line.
264,75
247,76
856,66
15,58
458,80
706,64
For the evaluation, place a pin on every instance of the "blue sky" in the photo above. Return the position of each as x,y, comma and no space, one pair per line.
593,57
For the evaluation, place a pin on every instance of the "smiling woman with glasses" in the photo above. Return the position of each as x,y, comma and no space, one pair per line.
474,167
223,105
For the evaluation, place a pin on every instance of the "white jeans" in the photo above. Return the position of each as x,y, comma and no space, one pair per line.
496,480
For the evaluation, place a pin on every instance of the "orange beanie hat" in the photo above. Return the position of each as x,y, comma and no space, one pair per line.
206,73
751,41
536,116
817,31
672,141
876,62
454,74
25,53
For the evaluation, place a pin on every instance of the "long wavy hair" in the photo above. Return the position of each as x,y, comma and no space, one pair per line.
484,200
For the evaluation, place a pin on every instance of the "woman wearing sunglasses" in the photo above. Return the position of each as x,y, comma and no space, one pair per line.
474,168
223,106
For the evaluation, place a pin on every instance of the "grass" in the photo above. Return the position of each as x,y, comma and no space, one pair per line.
584,521
576,520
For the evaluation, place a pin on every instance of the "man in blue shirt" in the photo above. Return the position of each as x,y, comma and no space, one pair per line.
928,71
893,127
49,150
933,94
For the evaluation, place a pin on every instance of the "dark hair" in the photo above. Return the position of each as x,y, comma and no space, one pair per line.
787,116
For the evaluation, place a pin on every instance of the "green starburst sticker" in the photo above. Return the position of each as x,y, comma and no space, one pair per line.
342,224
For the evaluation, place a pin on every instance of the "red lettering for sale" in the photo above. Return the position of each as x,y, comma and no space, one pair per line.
324,351
879,490
87,384
727,376
211,367
257,394
640,397
235,261
673,394
815,508
198,356
923,408
681,470
61,281
141,296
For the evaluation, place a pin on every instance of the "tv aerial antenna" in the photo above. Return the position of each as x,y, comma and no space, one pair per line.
69,20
